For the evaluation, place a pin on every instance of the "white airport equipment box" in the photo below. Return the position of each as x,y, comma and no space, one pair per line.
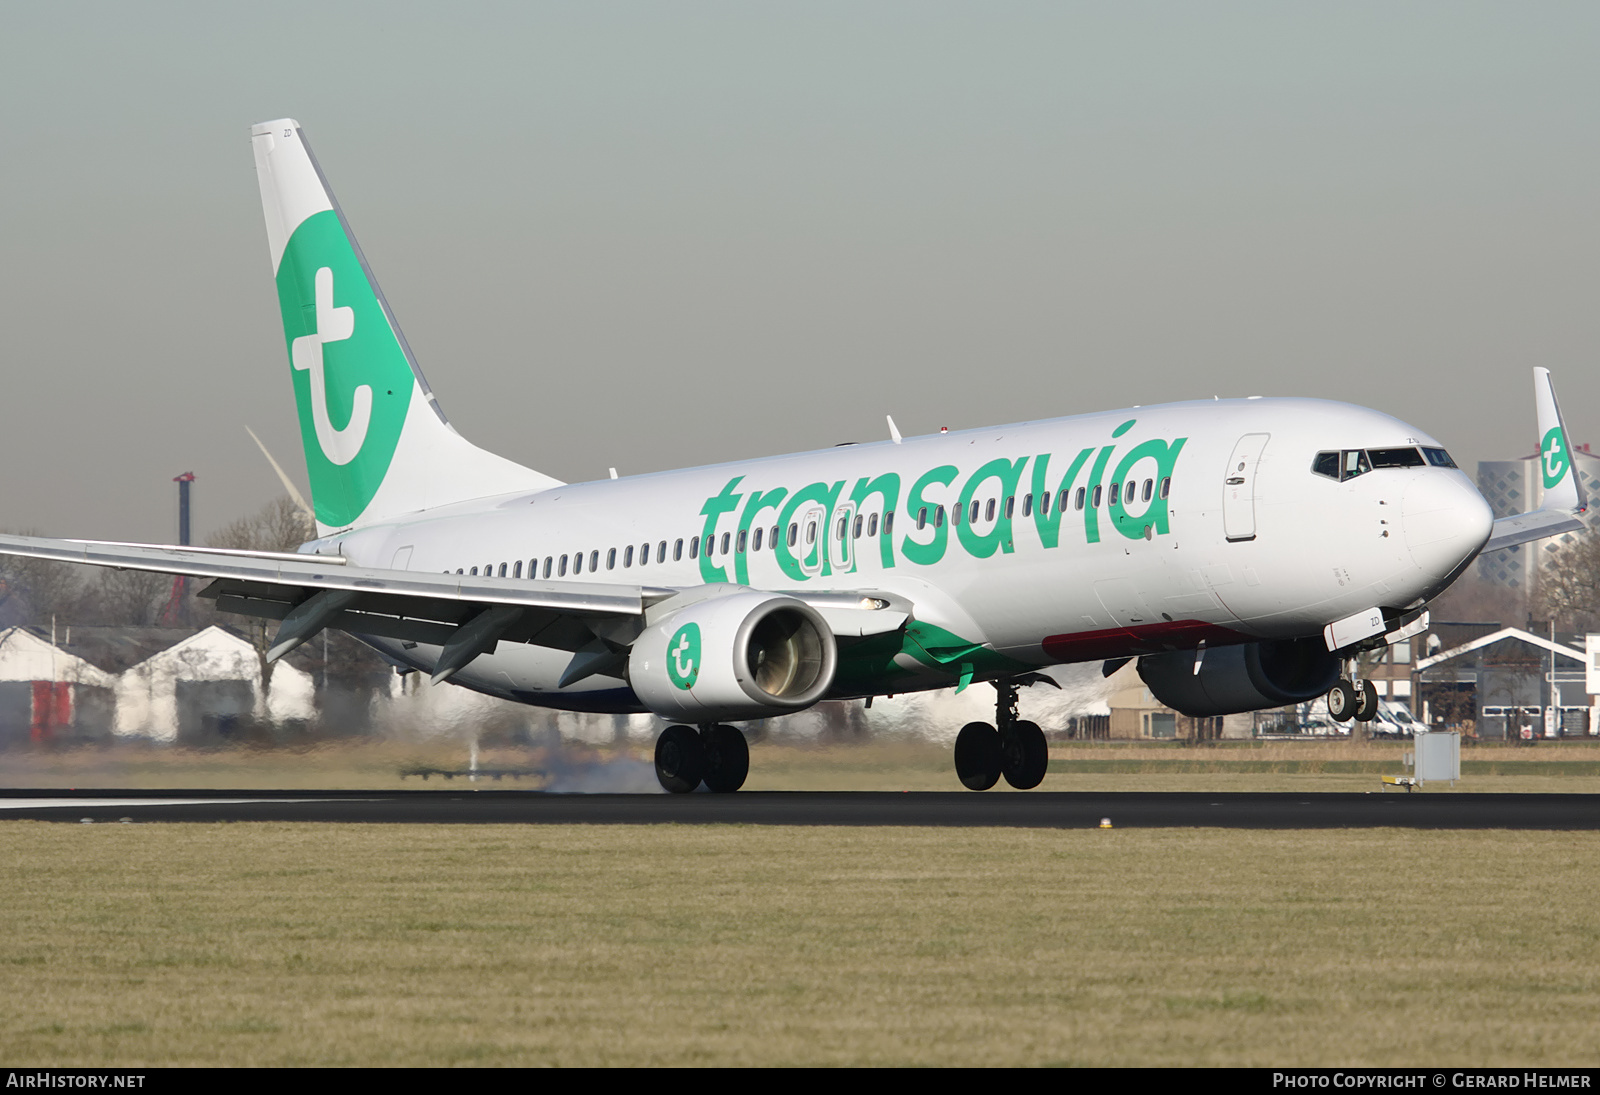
1438,756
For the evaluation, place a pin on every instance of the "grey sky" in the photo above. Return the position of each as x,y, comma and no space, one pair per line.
649,235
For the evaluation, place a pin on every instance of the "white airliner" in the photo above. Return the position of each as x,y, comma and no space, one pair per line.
1244,550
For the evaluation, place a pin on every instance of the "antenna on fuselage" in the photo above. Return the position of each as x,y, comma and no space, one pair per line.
894,431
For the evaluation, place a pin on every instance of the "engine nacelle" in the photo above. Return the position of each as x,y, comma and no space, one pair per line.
747,655
1247,677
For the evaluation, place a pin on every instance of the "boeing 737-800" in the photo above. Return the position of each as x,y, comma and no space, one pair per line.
1243,550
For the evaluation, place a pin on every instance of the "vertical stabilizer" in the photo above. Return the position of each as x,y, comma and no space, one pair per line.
377,445
1562,491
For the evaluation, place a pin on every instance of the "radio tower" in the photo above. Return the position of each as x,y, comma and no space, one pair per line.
173,615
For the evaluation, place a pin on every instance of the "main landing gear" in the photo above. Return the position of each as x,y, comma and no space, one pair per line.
1017,750
714,755
1352,699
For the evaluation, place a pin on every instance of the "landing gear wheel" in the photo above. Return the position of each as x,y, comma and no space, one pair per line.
978,756
727,758
1024,755
1366,707
1342,700
680,759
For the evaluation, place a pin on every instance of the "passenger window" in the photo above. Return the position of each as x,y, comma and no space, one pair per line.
1096,503
811,532
844,526
1131,490
549,562
955,515
794,533
772,541
644,554
1149,488
1011,505
458,570
516,571
872,525
975,506
502,570
1166,487
938,517
1111,495
577,562
594,560
661,552
694,547
611,559
474,572
742,542
627,556
860,524
1078,503
1044,502
888,522
677,550
756,544
922,518
562,571
1027,505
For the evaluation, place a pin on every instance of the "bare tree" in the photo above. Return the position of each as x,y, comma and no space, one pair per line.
1568,587
280,525
126,598
34,590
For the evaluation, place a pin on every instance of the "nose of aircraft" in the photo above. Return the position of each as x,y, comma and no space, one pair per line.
1446,521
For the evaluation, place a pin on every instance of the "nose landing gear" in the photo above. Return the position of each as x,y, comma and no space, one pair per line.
1016,750
716,755
1353,699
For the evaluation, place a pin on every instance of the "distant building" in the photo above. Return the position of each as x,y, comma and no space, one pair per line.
167,684
1515,486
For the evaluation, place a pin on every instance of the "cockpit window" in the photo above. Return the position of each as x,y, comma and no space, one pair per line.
1395,458
1349,463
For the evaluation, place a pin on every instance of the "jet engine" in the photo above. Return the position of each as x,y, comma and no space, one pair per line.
747,655
1247,677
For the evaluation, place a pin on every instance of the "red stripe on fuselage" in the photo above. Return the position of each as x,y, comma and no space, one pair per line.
1125,642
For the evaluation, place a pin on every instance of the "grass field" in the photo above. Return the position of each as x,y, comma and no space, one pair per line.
135,945
872,765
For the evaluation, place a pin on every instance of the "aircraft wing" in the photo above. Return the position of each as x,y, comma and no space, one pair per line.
310,592
1564,502
466,615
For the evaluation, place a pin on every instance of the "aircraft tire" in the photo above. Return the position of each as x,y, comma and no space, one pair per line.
727,759
1024,755
978,756
1366,706
1342,700
680,759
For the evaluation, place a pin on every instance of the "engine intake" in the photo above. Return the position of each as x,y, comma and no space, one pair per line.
1247,677
747,655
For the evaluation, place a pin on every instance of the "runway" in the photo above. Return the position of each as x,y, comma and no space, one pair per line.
1059,810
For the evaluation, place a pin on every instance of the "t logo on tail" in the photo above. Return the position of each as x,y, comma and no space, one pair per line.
333,325
1556,460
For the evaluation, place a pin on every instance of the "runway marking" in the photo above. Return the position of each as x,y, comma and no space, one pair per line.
65,803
